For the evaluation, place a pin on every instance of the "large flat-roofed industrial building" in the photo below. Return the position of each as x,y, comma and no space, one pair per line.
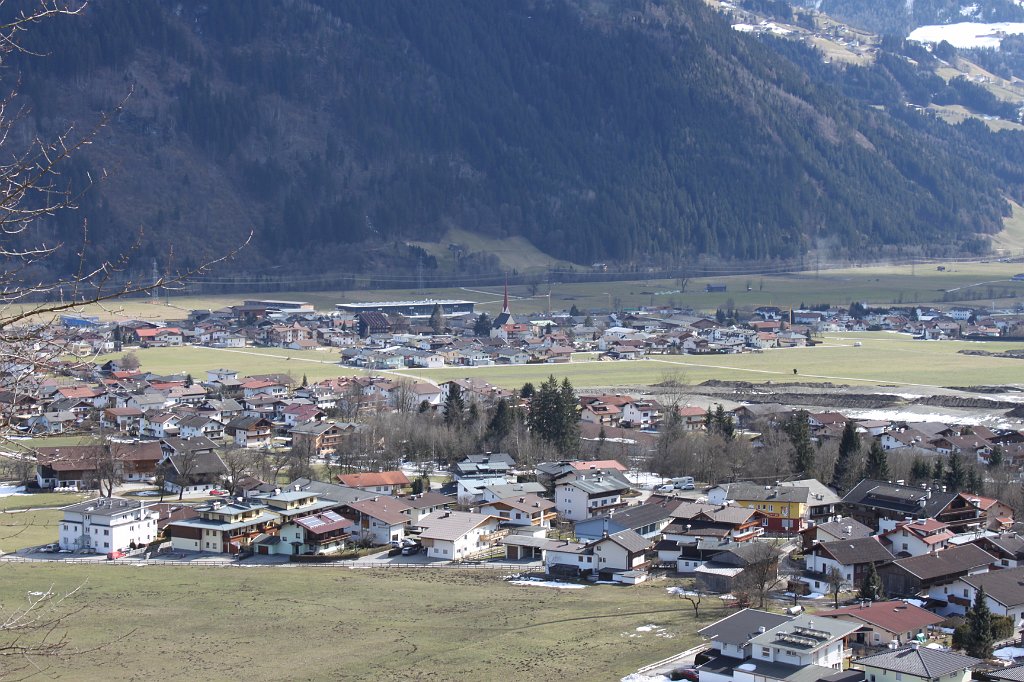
451,308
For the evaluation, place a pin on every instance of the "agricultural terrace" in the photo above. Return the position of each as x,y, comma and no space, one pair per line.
343,624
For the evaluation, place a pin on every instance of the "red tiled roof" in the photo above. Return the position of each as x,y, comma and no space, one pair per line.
894,616
374,478
582,465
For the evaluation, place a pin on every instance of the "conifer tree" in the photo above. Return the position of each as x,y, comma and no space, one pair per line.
847,464
454,406
871,585
877,466
482,326
995,459
980,637
501,422
803,450
956,475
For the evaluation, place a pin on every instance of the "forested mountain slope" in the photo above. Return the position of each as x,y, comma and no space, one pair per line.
629,132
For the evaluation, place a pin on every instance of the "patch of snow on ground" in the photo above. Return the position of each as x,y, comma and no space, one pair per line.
681,591
1008,652
743,28
547,583
8,490
968,11
647,628
814,595
147,493
640,677
967,34
644,478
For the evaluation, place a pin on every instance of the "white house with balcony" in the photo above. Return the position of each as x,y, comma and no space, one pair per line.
590,495
107,525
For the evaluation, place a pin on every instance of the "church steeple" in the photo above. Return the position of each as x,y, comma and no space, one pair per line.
506,315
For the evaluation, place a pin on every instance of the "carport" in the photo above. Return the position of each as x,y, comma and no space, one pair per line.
524,547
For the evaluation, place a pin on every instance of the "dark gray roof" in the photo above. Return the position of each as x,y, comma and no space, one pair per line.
1005,586
1011,543
193,444
740,627
949,562
203,463
630,541
920,662
902,499
332,491
104,505
857,551
839,528
725,665
1015,673
642,514
776,493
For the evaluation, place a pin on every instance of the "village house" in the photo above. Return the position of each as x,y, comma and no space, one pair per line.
590,495
933,575
722,571
840,529
192,471
915,663
222,527
913,538
106,525
249,432
379,520
383,482
883,622
321,439
852,558
606,557
811,646
880,504
785,507
1004,593
525,510
320,533
455,535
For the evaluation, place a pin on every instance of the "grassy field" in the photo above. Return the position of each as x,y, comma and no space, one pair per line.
883,358
27,529
303,623
38,500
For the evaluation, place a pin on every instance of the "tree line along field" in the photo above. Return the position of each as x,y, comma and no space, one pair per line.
875,285
344,624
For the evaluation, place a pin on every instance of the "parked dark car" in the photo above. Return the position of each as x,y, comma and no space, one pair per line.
395,551
409,550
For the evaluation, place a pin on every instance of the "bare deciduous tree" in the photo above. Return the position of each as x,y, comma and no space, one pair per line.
34,291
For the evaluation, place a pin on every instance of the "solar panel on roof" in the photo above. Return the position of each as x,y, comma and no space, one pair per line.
331,516
314,522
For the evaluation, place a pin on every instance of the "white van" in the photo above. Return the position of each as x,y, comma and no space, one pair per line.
683,483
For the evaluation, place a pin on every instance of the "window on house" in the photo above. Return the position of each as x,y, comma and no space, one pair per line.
765,651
